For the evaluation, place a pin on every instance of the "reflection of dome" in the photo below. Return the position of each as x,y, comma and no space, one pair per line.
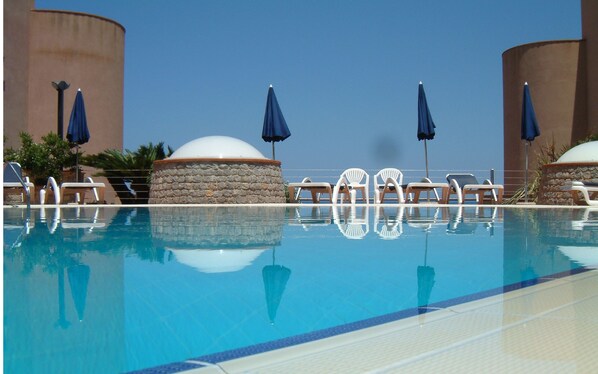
217,260
217,147
586,152
585,256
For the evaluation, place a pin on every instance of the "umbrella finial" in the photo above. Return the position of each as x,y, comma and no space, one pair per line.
270,85
79,89
420,82
526,83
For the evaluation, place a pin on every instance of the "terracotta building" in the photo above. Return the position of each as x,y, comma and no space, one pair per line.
563,80
45,46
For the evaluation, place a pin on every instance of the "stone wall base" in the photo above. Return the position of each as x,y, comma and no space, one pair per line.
217,181
556,176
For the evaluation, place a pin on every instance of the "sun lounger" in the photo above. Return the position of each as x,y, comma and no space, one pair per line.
13,179
426,185
467,184
588,191
315,188
78,189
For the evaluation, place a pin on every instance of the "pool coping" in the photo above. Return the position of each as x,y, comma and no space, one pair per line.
306,357
339,335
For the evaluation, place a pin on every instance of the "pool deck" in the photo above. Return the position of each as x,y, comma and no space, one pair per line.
548,327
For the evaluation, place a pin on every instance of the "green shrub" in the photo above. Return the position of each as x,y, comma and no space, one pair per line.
135,167
42,160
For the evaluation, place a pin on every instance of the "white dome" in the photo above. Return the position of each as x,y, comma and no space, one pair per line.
217,147
586,152
216,260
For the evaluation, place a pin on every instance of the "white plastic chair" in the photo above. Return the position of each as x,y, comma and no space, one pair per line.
78,188
388,180
353,179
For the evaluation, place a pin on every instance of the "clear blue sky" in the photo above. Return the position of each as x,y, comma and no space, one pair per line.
345,74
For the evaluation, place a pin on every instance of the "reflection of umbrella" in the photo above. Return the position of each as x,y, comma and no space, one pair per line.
78,132
62,321
425,282
78,280
275,127
275,281
425,124
529,126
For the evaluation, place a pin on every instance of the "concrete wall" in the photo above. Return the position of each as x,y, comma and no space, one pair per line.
88,52
589,21
556,74
563,80
16,67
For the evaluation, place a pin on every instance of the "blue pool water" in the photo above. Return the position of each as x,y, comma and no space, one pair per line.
121,289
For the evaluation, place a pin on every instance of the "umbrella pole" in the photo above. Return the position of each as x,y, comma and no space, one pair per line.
426,155
273,154
526,166
77,164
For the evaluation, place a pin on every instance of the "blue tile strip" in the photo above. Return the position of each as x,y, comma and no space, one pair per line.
349,327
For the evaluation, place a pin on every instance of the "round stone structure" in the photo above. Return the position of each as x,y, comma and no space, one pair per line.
578,164
217,170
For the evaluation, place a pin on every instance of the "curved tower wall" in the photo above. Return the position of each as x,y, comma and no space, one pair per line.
87,52
556,74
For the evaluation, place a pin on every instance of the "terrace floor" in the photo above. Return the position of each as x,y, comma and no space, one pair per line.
549,327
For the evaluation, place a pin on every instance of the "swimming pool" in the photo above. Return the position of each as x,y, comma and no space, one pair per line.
125,289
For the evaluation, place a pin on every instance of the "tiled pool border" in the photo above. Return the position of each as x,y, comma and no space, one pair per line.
196,363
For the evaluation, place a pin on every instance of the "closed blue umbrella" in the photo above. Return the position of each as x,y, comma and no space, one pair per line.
275,127
275,281
425,124
529,126
77,132
78,280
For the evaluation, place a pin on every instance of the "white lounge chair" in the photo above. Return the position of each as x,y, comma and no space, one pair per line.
351,181
317,189
14,180
78,189
414,189
588,190
388,180
467,184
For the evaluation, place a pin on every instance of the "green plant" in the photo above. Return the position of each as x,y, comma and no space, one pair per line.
42,160
129,172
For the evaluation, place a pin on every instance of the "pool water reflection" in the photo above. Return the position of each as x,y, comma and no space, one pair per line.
131,288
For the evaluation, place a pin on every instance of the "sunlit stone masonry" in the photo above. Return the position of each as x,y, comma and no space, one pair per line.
217,170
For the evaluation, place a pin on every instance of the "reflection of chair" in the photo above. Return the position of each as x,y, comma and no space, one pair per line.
350,224
316,218
462,223
353,180
316,189
14,180
387,181
78,189
67,220
425,218
467,184
588,191
414,189
392,225
586,222
15,234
